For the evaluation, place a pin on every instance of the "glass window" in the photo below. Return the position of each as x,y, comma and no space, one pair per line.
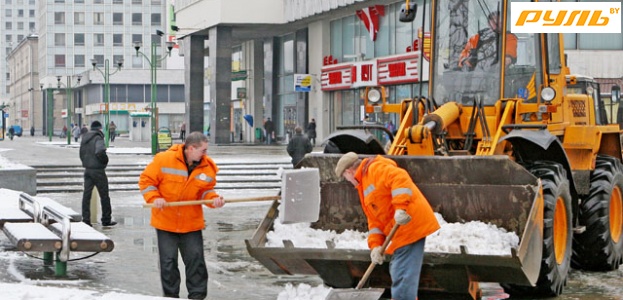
20,25
77,1
137,38
98,18
59,39
79,60
156,39
20,13
137,19
59,17
155,19
117,1
78,39
32,26
137,1
570,40
9,38
98,1
99,60
117,18
98,39
20,37
8,25
59,60
600,41
117,39
137,61
31,13
8,12
115,60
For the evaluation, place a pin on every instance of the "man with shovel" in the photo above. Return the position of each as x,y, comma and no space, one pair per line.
184,172
389,197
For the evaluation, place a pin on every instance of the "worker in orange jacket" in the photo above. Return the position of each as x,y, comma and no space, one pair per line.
182,173
388,196
481,49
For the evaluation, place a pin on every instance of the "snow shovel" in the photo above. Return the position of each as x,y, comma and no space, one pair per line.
358,293
300,197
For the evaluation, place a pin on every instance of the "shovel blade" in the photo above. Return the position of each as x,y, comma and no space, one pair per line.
300,196
355,294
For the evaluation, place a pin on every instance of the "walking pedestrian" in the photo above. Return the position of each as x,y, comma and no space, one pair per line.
388,196
183,132
76,132
32,130
298,146
64,131
112,131
269,126
311,132
94,160
84,130
184,172
11,132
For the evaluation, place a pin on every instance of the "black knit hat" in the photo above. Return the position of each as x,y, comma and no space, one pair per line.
96,125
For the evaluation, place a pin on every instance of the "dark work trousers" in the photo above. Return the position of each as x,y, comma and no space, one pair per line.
96,177
190,245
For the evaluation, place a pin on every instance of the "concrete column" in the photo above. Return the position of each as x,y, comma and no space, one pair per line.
194,87
319,106
220,51
258,86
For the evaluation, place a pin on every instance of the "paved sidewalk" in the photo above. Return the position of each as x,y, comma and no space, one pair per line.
39,150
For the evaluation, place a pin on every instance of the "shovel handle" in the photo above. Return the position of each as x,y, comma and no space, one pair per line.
372,265
201,202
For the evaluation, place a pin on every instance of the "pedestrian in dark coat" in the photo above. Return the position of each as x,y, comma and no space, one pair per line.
311,132
269,126
94,160
298,146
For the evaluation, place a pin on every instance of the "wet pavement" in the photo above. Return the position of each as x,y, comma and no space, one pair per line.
132,266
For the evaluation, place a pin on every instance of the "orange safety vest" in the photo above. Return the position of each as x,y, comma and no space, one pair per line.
384,187
167,177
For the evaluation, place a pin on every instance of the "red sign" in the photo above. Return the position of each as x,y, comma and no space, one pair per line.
399,69
336,77
364,73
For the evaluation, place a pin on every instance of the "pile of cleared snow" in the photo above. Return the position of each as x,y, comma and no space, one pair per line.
304,292
478,237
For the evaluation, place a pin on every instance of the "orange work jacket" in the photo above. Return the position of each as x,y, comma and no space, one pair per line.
167,177
384,187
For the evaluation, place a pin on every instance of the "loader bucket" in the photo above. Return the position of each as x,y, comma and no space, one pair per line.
491,189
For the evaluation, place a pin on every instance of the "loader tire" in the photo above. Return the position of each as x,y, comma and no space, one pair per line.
600,246
557,232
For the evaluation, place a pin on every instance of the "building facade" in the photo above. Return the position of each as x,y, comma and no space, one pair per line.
75,34
18,20
276,44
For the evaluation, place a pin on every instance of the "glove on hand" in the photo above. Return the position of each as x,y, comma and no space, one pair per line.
401,217
377,256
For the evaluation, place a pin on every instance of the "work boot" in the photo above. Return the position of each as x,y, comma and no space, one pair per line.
87,222
111,223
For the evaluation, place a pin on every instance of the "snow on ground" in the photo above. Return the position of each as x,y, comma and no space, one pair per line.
478,237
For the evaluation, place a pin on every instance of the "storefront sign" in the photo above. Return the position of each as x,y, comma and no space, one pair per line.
302,83
336,77
364,73
398,69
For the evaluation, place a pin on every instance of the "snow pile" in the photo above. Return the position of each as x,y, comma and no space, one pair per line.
478,237
302,236
304,292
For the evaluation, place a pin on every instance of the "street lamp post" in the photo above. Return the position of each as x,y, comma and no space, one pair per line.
106,74
69,93
50,105
153,61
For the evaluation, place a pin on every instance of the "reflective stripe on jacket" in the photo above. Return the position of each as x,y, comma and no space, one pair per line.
167,177
384,187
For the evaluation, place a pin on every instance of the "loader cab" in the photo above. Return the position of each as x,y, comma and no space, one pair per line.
586,85
476,57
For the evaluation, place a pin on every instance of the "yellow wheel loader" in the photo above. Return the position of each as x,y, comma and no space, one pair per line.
507,136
